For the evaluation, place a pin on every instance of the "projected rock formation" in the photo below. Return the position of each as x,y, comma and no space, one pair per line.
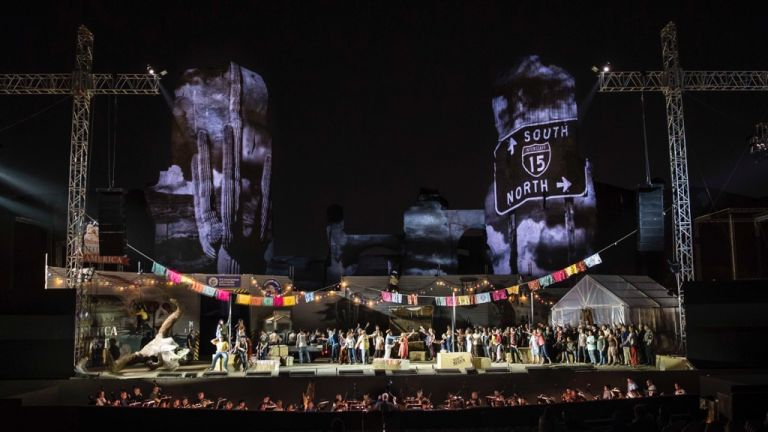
212,207
540,210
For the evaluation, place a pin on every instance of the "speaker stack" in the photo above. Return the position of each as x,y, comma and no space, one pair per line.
111,222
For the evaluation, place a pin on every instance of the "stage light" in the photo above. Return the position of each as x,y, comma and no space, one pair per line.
595,69
150,70
607,67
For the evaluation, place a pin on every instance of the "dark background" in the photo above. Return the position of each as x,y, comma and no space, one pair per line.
371,100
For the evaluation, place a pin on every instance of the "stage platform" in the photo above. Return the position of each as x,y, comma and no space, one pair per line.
199,370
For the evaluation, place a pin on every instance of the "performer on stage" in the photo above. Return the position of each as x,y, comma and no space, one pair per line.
241,351
362,344
379,344
301,346
403,351
222,352
429,341
221,329
389,343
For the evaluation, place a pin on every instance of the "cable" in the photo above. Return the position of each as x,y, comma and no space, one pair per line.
114,144
5,128
645,142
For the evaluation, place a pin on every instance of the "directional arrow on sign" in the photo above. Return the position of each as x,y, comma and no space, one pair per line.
564,185
512,144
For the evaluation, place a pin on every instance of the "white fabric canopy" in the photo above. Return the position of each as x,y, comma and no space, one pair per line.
610,299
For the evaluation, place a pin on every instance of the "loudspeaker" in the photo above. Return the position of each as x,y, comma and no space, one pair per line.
650,218
111,222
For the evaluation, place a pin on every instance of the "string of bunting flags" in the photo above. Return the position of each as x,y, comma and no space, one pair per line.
499,294
224,295
386,296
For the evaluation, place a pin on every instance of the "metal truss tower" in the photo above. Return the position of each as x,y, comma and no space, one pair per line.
82,85
672,82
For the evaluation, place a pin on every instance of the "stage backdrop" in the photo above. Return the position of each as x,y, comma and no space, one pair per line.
212,207
540,209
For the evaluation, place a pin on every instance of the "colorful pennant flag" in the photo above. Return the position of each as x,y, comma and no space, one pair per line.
483,298
499,295
158,269
440,301
559,275
268,301
243,299
397,298
278,302
534,285
386,296
413,299
173,276
593,260
309,297
582,266
196,287
546,281
257,301
463,300
209,291
450,301
513,290
222,295
289,300
571,270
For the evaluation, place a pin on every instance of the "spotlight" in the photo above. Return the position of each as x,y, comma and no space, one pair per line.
595,69
607,67
150,70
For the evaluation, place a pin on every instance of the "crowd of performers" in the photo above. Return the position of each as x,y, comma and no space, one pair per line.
616,344
386,401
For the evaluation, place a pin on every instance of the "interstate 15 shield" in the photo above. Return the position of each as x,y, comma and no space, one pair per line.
537,161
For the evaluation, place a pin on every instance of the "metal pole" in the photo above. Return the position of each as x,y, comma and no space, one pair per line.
531,320
229,321
453,325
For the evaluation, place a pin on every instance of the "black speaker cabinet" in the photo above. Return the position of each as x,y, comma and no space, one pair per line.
650,218
111,222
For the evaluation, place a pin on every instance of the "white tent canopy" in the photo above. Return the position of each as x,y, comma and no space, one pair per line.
610,299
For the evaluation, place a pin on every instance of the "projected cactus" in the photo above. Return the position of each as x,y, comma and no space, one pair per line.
221,144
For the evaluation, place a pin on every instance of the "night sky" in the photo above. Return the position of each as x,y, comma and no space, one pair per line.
371,100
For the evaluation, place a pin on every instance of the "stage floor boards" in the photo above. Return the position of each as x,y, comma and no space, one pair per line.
333,369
